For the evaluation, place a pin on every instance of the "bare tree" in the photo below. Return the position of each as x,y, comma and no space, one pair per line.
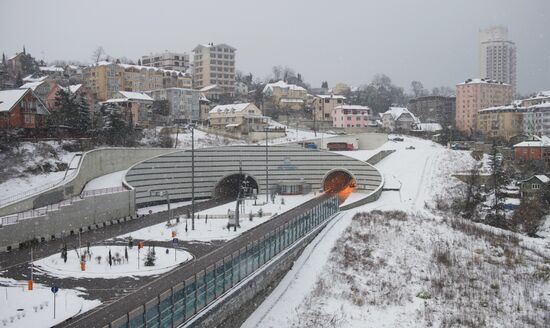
98,54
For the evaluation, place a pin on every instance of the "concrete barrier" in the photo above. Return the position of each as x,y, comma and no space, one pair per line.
88,212
94,163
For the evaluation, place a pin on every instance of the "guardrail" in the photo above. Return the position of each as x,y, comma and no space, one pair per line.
30,214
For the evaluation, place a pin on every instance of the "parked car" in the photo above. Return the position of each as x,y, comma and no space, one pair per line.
410,147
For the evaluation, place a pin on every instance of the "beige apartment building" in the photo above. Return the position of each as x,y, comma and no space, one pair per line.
323,106
475,94
501,122
232,116
214,65
106,79
282,95
167,60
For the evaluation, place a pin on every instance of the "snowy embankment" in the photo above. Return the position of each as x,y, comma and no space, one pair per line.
214,227
22,308
416,269
32,167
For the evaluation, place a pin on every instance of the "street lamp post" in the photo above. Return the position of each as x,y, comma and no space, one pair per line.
266,168
192,178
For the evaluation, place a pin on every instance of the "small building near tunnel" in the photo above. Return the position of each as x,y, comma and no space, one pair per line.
218,170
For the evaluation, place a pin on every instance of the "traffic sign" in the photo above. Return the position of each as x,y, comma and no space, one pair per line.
55,289
175,240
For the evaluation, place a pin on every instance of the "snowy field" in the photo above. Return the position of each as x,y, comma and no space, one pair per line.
21,308
215,227
415,269
97,264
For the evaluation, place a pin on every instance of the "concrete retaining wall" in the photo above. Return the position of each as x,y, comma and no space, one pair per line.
380,156
83,214
94,163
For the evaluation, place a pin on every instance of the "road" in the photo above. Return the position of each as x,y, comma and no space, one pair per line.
16,263
106,313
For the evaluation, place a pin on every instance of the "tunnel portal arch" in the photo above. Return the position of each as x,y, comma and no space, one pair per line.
228,186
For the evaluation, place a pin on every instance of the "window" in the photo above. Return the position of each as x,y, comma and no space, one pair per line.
535,186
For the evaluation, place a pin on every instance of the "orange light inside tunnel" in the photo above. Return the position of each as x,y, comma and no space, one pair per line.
344,193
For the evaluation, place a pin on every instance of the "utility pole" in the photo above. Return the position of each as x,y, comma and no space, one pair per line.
193,178
266,168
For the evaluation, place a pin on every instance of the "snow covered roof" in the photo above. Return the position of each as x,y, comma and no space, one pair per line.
72,88
30,78
224,45
208,88
51,69
283,85
135,96
31,85
291,100
507,108
430,127
478,80
396,112
543,178
229,108
356,107
331,96
138,67
9,98
543,141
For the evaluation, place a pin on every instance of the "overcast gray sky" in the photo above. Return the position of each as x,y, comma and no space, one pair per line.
433,41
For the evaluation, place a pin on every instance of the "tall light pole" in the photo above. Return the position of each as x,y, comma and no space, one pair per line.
266,168
192,177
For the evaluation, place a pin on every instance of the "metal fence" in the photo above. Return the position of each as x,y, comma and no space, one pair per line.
184,300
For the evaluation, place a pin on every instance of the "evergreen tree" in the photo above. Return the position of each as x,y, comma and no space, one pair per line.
499,180
324,85
165,138
139,62
115,130
150,258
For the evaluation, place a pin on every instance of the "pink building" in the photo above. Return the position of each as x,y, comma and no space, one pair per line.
351,116
476,94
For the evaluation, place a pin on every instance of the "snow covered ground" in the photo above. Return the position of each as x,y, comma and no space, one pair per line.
387,271
215,227
106,181
20,307
97,264
24,169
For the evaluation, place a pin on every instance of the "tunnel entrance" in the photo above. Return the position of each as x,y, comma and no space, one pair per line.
339,182
229,186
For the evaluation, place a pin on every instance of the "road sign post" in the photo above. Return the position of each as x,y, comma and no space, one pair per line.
175,243
54,290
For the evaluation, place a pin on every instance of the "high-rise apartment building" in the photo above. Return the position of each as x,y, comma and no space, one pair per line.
214,64
497,56
475,94
167,60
